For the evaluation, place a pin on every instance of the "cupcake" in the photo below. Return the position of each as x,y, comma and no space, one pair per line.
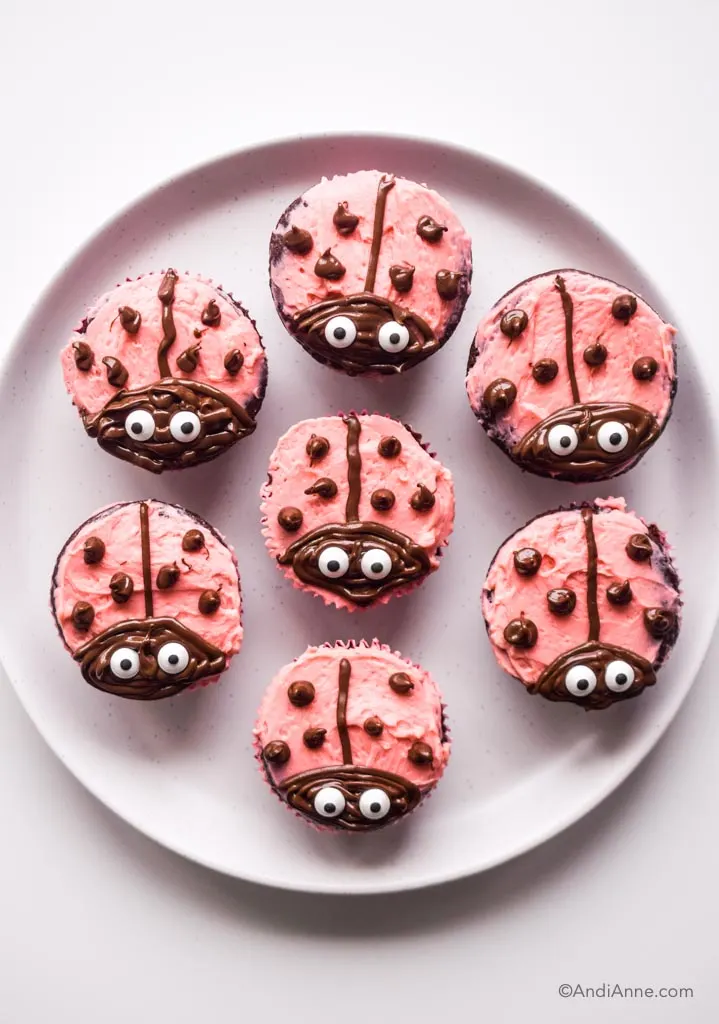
355,509
352,736
573,376
370,272
167,371
583,604
146,597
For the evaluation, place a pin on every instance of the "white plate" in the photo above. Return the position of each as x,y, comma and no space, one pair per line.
182,770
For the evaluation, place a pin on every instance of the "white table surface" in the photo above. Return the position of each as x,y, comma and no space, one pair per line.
613,103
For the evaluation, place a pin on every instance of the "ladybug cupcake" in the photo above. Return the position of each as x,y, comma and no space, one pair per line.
583,604
146,597
356,509
573,376
370,272
167,371
352,737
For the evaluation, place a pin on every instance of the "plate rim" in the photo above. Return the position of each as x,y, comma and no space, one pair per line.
646,741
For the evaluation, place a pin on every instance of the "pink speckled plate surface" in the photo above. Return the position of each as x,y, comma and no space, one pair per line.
182,770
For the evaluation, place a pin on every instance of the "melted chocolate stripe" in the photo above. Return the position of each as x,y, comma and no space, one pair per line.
354,468
166,295
592,606
342,693
146,566
568,307
385,184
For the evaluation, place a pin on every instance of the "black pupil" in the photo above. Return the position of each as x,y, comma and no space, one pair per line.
340,333
395,338
375,807
187,427
377,567
136,428
125,664
173,659
333,565
565,442
330,808
615,438
583,684
621,679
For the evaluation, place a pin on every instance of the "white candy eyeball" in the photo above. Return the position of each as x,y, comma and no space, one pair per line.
333,562
393,337
562,439
140,425
376,564
173,658
124,663
580,681
340,332
185,426
613,436
374,804
619,676
329,802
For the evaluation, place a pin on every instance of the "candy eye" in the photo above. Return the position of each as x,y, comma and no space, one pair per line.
562,439
340,332
376,564
185,426
333,562
329,802
613,436
173,658
619,676
374,804
140,425
580,681
393,337
124,663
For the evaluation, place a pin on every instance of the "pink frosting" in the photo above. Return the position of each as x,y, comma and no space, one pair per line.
646,334
90,389
296,285
213,567
406,718
560,538
291,474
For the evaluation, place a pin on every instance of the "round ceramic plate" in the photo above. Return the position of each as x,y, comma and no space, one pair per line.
182,770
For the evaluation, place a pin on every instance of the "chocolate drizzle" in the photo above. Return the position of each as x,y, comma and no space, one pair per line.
354,468
343,220
166,295
352,780
130,319
298,240
568,307
329,267
84,356
592,606
187,361
342,695
429,230
386,183
116,373
402,276
211,314
146,559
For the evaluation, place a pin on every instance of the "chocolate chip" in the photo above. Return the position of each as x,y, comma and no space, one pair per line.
658,621
168,576
93,550
561,601
382,500
233,362
595,354
639,547
422,500
276,752
401,683
130,319
194,540
84,356
645,368
374,726
420,753
429,230
298,240
314,738
317,447
121,588
324,487
619,592
521,632
389,447
82,615
545,370
209,602
624,307
527,561
513,323
500,395
301,693
290,518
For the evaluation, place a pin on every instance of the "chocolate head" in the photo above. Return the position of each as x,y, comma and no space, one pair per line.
350,797
147,659
595,675
364,333
169,424
358,561
587,442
